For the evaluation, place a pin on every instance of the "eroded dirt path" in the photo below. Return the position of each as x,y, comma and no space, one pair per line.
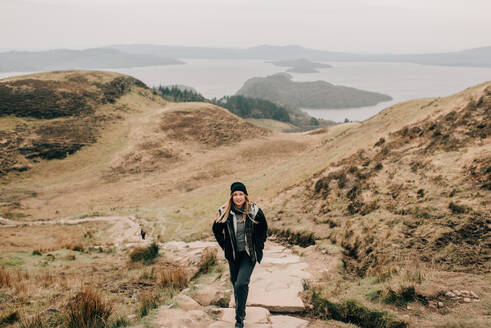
124,232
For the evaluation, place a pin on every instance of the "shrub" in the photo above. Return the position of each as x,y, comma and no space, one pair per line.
9,318
300,238
400,298
352,312
457,209
88,310
380,142
75,247
145,254
148,302
331,222
173,277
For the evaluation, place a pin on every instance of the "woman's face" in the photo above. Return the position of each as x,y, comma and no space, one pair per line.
238,197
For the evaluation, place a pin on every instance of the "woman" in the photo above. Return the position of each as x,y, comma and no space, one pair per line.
241,231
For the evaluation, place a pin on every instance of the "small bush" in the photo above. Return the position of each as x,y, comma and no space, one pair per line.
400,298
75,247
322,185
384,273
36,252
148,302
173,277
380,142
352,312
88,310
145,254
9,318
331,222
300,238
457,209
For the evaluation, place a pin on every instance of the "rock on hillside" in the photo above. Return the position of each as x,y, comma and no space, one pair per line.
51,115
280,89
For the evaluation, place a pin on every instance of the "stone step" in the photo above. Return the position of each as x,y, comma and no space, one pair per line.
277,281
258,317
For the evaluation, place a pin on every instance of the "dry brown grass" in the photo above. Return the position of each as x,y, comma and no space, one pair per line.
36,321
148,302
45,238
145,254
173,277
5,278
88,309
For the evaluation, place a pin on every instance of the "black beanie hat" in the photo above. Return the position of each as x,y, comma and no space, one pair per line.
238,186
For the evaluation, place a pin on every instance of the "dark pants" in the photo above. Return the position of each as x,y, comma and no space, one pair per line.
240,275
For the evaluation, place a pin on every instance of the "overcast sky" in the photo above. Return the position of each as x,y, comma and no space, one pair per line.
368,26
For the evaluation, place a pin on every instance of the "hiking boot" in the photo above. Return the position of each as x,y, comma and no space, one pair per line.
239,324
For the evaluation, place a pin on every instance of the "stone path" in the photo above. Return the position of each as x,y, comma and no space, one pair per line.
275,286
277,281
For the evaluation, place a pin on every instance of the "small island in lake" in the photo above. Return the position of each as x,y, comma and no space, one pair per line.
280,89
300,65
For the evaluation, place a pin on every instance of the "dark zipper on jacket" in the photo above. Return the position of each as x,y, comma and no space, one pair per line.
231,238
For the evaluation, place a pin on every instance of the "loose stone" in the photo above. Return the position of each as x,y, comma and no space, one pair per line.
450,294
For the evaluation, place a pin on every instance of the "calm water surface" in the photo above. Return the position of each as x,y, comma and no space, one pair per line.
402,81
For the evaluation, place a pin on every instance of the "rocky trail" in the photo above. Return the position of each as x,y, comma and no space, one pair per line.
273,292
273,301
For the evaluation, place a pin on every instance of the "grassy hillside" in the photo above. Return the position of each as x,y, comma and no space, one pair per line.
406,209
401,200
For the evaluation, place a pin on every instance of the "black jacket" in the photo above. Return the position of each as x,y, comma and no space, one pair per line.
256,234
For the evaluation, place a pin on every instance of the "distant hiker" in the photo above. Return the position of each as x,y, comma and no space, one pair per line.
241,231
143,233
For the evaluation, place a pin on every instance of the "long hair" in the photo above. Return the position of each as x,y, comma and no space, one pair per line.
222,218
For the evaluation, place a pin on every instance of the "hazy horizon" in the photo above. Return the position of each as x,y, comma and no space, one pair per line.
357,26
224,47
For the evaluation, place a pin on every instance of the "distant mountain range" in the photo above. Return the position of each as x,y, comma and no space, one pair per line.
59,59
119,56
477,57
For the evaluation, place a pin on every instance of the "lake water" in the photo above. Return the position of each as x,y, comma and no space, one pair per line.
402,81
